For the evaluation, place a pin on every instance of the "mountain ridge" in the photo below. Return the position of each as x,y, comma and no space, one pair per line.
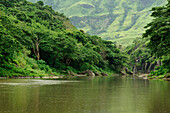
116,20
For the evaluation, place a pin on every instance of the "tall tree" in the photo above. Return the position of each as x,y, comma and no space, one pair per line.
158,31
37,37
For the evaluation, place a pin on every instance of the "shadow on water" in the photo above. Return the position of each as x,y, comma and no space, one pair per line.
115,94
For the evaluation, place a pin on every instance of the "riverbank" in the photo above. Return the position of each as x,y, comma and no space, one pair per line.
28,77
147,76
59,76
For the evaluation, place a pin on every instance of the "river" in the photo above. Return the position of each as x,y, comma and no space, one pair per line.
117,94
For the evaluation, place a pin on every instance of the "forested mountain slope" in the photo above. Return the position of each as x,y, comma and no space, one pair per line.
118,20
35,40
152,52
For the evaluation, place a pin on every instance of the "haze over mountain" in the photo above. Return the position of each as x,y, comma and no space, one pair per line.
117,20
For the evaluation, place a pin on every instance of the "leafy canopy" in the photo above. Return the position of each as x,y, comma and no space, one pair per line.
158,31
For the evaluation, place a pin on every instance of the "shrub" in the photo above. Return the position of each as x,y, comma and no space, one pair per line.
41,3
4,72
21,16
159,71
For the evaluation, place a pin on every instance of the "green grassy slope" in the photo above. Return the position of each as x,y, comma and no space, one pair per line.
116,20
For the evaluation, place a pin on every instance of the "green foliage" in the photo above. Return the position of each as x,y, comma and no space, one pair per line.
8,43
159,39
166,61
140,57
2,7
117,20
158,31
9,70
159,71
37,41
41,3
42,65
4,72
21,16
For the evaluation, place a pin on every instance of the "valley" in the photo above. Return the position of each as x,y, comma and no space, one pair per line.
120,21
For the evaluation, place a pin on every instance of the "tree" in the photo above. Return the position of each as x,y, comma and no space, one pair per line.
21,16
41,3
37,37
158,31
8,44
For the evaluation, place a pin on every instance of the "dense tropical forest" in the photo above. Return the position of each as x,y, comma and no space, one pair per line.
36,40
151,54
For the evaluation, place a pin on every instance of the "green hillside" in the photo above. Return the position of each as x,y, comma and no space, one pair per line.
35,40
118,20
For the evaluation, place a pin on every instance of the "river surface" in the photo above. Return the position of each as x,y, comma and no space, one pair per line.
117,94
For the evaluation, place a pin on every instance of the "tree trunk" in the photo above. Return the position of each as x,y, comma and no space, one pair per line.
68,61
149,69
36,51
142,67
134,70
159,63
36,43
145,66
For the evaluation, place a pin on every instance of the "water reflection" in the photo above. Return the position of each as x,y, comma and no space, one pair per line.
85,95
33,82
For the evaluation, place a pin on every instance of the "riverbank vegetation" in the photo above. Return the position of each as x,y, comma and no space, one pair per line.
151,54
35,40
159,39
